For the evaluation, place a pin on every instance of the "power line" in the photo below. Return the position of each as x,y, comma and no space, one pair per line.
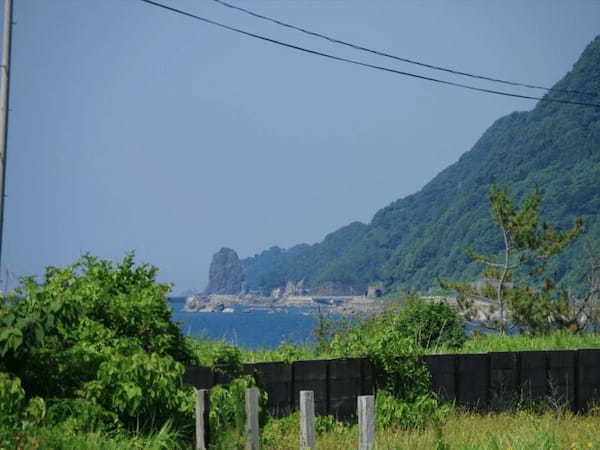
397,58
360,63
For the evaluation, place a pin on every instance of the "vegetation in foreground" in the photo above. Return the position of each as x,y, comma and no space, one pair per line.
211,352
91,359
92,348
516,431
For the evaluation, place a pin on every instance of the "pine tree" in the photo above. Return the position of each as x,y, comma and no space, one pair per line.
528,243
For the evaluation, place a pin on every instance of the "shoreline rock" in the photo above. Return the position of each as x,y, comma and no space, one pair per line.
343,305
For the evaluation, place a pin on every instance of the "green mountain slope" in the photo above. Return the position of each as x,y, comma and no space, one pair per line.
274,267
555,147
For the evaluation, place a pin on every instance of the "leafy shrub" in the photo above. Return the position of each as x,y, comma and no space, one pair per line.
431,324
12,399
15,410
289,352
80,414
210,352
17,414
394,342
396,356
423,410
227,414
100,331
223,353
328,424
141,385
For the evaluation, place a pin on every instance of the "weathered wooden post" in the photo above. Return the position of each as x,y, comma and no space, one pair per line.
202,409
366,422
307,420
252,430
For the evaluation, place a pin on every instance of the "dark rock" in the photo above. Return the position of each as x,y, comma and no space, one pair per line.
226,274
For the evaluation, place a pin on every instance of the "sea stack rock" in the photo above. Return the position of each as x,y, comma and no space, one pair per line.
226,274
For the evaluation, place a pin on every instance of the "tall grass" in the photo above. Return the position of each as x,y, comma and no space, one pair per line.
219,352
516,431
65,437
522,342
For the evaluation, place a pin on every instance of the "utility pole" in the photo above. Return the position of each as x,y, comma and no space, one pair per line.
4,106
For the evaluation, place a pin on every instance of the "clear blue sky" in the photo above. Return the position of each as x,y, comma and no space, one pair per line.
133,128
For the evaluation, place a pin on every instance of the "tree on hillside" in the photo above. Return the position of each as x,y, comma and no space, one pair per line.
528,243
570,312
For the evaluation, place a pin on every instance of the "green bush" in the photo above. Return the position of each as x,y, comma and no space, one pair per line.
396,356
423,410
16,411
394,341
18,415
227,412
12,399
431,324
328,424
141,386
99,331
80,414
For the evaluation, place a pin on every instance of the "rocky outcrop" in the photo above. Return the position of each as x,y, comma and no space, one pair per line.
197,303
212,303
292,288
226,275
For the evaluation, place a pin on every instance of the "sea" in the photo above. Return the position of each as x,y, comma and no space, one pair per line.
259,328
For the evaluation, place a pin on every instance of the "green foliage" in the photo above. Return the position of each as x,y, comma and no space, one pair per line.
423,410
274,267
275,430
328,424
325,329
561,340
66,436
16,411
403,397
527,241
431,324
141,386
227,413
81,414
210,353
12,397
394,354
99,331
286,351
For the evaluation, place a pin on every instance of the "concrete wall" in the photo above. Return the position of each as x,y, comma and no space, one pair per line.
491,381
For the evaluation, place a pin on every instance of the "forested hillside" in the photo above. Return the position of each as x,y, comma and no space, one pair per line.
555,147
274,267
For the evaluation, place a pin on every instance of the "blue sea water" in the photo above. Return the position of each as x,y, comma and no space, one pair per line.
256,329
259,328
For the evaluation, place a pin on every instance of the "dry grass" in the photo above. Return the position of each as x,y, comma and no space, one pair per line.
516,431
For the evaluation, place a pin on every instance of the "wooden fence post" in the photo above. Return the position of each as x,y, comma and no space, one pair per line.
307,420
366,422
202,409
252,429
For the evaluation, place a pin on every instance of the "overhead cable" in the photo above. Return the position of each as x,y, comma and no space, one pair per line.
397,58
360,63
